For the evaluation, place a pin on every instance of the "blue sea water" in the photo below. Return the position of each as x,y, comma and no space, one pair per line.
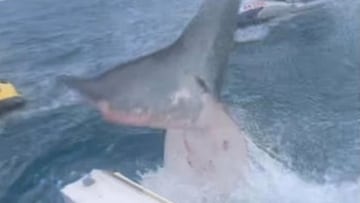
297,91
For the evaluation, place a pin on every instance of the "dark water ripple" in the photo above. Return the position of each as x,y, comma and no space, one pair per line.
302,94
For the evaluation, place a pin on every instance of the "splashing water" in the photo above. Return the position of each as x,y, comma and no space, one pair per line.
268,181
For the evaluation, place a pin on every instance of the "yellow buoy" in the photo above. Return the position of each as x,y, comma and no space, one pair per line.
9,97
7,90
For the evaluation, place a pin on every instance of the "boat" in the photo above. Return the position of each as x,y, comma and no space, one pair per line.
111,187
252,12
10,98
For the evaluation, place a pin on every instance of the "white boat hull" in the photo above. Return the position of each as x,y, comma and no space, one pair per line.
101,186
258,11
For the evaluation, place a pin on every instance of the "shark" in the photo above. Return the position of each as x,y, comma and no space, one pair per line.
177,88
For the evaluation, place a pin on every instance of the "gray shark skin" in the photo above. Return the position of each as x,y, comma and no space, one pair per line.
177,89
163,87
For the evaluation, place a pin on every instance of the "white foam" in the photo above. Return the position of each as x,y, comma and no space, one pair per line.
268,181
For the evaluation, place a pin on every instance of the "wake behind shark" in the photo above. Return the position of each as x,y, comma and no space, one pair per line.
177,89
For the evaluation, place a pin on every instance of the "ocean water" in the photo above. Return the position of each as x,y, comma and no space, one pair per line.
296,93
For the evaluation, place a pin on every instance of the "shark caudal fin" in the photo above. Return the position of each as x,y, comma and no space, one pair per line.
163,86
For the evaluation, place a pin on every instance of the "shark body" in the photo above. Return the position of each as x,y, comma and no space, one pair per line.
177,89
